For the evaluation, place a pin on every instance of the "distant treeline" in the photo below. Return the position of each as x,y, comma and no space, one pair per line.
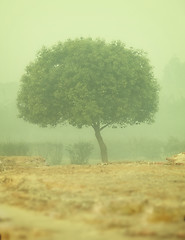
131,150
52,152
146,149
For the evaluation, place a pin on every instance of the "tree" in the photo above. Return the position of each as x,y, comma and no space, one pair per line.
174,80
86,82
172,114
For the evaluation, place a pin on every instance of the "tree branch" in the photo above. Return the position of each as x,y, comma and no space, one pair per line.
104,126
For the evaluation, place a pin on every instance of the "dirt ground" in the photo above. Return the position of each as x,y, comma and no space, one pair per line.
115,201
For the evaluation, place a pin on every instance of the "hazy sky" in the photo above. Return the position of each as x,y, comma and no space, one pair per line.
156,26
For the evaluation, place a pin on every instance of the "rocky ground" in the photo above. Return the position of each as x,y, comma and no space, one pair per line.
138,200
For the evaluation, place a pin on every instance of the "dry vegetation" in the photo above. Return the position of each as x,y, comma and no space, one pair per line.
116,201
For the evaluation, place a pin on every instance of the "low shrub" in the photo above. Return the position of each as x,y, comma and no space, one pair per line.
80,152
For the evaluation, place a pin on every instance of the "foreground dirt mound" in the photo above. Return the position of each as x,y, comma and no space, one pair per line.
10,162
140,201
177,159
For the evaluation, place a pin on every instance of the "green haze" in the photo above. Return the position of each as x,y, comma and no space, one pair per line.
155,26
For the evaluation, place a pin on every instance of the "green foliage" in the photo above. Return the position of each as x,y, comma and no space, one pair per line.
79,153
13,149
87,82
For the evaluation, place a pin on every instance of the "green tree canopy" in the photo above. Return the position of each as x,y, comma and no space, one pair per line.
87,82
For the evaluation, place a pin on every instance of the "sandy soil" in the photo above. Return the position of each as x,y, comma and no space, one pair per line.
114,201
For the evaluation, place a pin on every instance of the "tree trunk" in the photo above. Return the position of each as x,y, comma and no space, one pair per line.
103,148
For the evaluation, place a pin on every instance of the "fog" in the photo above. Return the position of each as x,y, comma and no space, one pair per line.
155,26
